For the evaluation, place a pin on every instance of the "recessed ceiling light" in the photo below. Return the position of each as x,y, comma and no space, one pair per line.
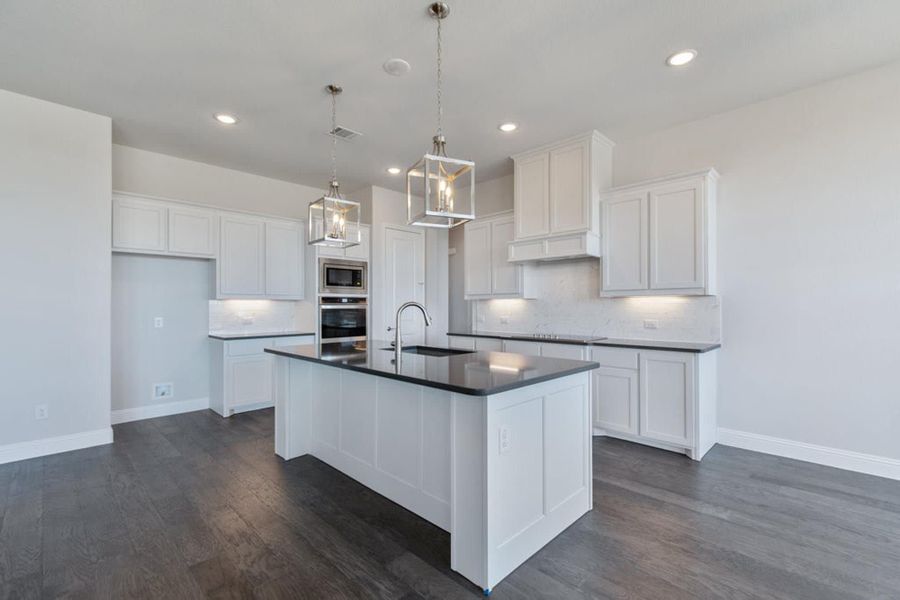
396,67
507,127
681,58
394,170
226,119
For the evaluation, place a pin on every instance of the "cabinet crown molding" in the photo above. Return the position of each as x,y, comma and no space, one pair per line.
592,134
709,172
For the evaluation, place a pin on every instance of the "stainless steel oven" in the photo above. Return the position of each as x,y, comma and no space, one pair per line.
342,319
337,276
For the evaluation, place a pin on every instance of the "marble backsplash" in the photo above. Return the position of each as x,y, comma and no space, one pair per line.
269,316
568,301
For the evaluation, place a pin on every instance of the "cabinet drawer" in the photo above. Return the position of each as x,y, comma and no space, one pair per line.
566,246
297,340
526,250
489,344
569,351
246,347
621,358
461,343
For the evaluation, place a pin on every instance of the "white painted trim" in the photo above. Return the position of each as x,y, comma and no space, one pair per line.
870,464
152,411
55,445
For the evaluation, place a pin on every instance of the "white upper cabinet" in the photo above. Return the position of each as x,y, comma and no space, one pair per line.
193,231
556,198
659,237
284,259
139,224
242,257
488,272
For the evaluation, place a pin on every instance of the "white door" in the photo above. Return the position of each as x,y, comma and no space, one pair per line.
477,242
505,278
192,231
615,394
625,244
569,188
241,257
520,347
404,280
249,381
667,397
138,225
531,196
284,259
361,250
676,237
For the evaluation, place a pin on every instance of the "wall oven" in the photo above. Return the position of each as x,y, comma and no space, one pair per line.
338,276
342,319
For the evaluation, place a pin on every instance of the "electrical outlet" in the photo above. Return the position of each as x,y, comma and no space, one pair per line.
41,412
651,324
162,391
504,439
159,323
247,319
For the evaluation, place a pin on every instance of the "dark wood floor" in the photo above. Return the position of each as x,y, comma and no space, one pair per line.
195,506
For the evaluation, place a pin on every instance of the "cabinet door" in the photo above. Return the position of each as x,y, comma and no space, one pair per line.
677,236
615,394
506,277
192,231
249,381
241,257
284,259
477,243
531,198
570,351
361,250
521,347
570,188
139,225
667,397
625,243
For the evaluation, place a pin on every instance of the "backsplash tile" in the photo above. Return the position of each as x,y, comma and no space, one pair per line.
569,302
253,316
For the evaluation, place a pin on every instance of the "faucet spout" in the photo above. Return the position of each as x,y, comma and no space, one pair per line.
398,338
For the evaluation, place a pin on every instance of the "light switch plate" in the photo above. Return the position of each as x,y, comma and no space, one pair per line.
159,323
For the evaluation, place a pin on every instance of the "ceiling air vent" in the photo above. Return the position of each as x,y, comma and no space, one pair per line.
342,133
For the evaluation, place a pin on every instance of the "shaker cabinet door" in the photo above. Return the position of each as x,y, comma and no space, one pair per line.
667,397
624,262
241,257
615,394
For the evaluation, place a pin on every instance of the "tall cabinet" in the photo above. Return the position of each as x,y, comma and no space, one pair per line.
659,237
488,271
556,197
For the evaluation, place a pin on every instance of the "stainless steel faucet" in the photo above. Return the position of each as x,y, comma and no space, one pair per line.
398,339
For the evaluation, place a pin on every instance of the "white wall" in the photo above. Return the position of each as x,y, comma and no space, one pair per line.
809,257
55,269
177,289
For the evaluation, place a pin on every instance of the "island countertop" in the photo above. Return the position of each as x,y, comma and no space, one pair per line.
470,373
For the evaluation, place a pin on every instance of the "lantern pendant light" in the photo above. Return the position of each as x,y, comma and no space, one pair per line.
333,220
440,191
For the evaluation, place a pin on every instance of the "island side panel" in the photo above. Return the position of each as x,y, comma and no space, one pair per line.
538,468
391,436
293,407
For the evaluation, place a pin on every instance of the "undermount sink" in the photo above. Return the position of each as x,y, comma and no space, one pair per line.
431,350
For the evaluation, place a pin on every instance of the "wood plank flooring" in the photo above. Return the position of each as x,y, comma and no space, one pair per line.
196,506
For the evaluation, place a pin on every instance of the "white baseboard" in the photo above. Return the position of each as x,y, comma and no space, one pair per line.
870,464
55,445
152,411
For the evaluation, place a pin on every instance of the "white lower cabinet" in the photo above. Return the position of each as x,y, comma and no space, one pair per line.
241,373
461,342
661,398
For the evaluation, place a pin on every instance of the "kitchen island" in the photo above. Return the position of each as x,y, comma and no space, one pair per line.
493,447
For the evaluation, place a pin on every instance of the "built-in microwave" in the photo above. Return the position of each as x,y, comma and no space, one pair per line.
338,276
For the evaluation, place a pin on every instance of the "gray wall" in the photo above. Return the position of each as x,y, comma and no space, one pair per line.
55,268
177,289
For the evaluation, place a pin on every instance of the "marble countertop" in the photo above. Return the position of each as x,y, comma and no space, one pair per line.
697,347
470,373
218,335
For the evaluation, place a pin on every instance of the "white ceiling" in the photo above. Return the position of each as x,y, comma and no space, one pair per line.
161,68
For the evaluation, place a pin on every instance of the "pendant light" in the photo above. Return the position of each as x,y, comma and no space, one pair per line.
333,220
440,191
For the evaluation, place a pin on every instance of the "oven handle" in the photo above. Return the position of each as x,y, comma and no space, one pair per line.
337,306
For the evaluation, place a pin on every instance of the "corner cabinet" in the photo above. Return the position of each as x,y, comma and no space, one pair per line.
659,237
556,199
488,272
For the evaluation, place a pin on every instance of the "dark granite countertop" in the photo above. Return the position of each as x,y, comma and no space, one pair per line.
471,373
696,347
255,336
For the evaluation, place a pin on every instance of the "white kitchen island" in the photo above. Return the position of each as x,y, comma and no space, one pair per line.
493,447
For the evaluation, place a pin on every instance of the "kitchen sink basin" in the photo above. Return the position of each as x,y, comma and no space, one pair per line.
431,351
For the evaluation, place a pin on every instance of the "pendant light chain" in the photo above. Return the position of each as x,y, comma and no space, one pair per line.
333,138
440,129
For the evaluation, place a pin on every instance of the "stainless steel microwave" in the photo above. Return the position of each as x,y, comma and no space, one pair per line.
338,276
